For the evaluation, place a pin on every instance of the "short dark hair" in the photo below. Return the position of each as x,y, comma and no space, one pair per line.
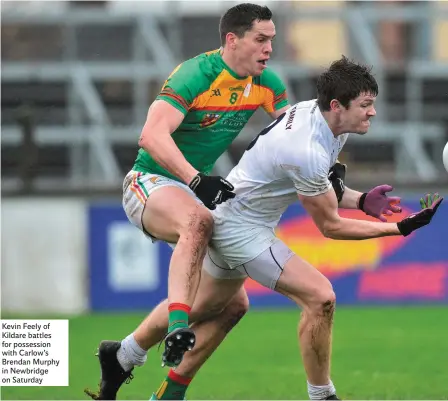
239,19
345,80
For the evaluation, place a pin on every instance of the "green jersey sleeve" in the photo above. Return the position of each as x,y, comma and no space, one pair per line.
278,99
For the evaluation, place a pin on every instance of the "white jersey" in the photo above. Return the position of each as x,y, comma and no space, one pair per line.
291,156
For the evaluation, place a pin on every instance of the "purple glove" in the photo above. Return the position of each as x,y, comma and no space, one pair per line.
376,203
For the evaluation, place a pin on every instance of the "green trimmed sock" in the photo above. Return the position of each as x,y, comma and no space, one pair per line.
173,387
178,316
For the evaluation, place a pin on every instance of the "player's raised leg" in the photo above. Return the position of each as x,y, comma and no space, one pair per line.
173,215
219,305
210,332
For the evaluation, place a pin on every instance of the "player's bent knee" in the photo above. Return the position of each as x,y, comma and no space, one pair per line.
206,311
323,302
199,223
208,308
239,304
325,294
235,311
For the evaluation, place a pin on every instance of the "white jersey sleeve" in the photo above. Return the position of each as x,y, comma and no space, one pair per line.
308,169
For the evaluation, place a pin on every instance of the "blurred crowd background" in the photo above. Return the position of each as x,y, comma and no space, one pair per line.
77,79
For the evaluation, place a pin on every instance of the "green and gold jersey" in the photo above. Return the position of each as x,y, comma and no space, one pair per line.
217,104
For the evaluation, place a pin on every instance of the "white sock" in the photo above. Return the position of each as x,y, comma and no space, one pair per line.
130,353
321,392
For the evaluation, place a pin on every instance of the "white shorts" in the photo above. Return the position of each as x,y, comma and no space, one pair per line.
137,187
244,250
265,269
237,239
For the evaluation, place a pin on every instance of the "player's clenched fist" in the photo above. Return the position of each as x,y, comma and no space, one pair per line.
211,190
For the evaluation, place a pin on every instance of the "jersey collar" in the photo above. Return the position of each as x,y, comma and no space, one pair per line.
231,72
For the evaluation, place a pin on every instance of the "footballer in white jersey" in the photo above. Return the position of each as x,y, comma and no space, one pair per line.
293,159
291,156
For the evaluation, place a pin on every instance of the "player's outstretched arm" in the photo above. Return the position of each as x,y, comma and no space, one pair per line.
350,200
323,209
162,120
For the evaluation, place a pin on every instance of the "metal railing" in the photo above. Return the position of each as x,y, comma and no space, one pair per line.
407,137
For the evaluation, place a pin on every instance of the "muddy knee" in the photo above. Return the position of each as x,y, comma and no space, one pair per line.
323,303
198,225
319,311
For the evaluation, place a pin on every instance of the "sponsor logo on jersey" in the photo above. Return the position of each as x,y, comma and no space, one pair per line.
216,92
237,89
209,119
291,118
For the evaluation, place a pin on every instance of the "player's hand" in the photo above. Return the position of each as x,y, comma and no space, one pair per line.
376,203
429,204
211,190
337,178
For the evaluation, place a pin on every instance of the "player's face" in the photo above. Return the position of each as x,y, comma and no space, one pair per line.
254,49
356,118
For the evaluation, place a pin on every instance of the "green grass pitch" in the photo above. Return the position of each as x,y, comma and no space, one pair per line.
378,353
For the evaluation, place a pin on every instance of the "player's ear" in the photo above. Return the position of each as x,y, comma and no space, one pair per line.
231,40
335,105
